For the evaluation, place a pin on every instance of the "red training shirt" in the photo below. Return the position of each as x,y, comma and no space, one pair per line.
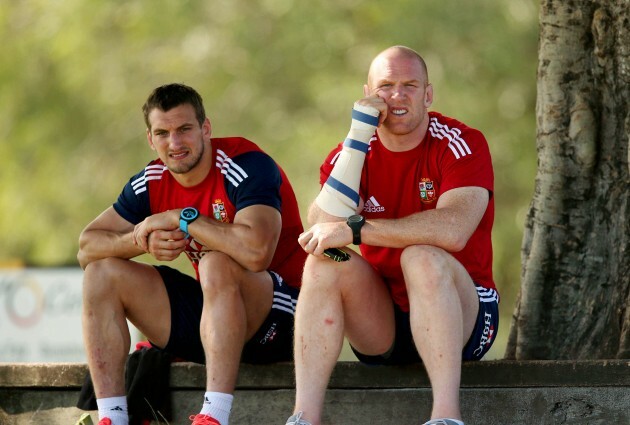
398,184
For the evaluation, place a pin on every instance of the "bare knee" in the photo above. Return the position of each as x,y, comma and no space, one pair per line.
428,258
218,272
426,267
100,278
321,274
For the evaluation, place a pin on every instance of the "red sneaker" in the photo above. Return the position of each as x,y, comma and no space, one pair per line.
105,421
202,420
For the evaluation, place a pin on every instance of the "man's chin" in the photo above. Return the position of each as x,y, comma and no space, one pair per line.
179,169
399,130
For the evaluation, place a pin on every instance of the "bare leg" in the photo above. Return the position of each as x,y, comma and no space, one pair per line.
444,306
335,297
114,289
319,334
236,302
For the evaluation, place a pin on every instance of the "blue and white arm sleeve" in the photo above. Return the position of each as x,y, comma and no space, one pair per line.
340,194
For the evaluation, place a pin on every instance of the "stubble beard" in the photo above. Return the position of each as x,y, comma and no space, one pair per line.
188,166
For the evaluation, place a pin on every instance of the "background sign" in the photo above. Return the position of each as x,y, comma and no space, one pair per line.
40,315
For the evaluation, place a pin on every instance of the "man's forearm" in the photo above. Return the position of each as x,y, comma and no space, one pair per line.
317,215
98,244
340,193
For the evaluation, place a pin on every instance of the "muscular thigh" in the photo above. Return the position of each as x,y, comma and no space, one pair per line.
432,272
219,272
368,308
150,311
140,290
468,298
257,292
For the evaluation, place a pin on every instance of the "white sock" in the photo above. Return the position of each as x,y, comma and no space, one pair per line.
114,408
340,194
217,405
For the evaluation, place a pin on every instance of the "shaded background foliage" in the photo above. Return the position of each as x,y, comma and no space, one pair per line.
284,73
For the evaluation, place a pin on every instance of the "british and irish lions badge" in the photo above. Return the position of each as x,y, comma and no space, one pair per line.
427,190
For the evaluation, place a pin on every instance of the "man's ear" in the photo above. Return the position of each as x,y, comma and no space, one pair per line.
206,129
428,96
366,90
150,139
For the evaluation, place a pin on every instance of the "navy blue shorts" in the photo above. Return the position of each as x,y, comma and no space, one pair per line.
404,350
273,342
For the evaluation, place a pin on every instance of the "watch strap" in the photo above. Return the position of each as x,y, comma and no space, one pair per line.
185,219
356,222
183,225
356,235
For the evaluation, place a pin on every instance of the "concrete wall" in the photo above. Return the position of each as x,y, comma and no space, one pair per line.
493,393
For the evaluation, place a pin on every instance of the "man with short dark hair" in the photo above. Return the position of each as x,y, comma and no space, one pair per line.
230,208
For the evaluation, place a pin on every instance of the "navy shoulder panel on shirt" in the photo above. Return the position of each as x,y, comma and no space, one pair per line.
133,202
252,178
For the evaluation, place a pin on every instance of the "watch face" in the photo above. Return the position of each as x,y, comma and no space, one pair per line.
189,213
355,219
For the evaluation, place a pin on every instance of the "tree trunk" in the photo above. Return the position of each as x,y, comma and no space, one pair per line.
575,283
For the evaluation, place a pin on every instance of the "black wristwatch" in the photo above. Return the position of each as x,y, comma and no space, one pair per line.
356,222
187,216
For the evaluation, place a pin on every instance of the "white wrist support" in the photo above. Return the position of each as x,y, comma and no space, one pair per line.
340,194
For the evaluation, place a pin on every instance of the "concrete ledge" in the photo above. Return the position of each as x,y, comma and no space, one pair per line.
493,392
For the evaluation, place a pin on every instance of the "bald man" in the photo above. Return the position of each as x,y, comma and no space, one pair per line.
413,189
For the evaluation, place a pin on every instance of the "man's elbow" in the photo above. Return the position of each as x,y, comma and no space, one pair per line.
81,255
456,242
258,260
82,258
455,247
257,266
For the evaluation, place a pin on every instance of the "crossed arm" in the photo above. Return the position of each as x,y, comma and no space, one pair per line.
448,226
250,240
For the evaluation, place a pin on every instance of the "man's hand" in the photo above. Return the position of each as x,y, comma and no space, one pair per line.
325,235
166,245
167,221
376,102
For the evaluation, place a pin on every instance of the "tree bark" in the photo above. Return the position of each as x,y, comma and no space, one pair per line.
575,281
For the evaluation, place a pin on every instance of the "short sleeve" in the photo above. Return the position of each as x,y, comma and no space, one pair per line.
133,202
254,179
